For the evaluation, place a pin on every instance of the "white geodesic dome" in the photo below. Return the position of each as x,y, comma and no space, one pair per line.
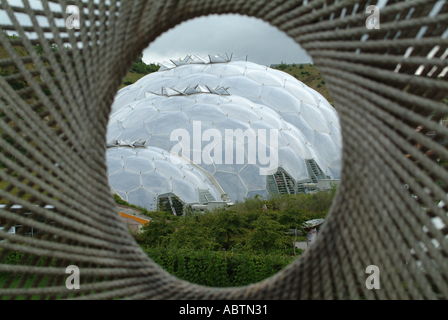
230,95
140,175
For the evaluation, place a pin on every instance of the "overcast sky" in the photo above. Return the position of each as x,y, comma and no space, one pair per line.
240,35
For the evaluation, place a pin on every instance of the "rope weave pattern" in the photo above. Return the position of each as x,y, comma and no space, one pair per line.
386,83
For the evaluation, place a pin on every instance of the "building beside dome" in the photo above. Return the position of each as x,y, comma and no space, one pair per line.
191,106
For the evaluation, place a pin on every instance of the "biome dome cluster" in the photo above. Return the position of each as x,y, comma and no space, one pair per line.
184,113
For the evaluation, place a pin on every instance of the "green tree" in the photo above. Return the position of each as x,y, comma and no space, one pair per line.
283,66
141,67
301,66
226,225
267,235
191,234
156,233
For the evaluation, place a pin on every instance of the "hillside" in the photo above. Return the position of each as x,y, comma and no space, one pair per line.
138,70
310,75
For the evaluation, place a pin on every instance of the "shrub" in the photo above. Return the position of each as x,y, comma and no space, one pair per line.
282,66
209,268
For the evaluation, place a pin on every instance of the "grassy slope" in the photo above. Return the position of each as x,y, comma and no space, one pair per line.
132,77
312,80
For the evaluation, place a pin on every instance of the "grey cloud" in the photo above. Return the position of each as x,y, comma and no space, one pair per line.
263,43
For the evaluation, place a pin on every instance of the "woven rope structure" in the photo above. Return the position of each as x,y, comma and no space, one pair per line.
388,85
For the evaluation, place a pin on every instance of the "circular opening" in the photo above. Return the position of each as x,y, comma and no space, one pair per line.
232,199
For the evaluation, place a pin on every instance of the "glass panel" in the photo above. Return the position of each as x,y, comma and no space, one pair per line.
144,198
230,124
113,132
280,100
158,84
157,183
292,163
184,71
168,169
225,70
252,179
120,114
151,154
242,86
162,141
155,76
328,151
315,118
120,152
266,136
113,164
335,173
242,113
199,79
135,134
317,96
206,158
300,124
282,76
166,123
194,179
210,98
232,185
204,112
125,180
263,77
172,92
139,116
211,188
125,97
138,164
336,136
297,143
173,104
300,91
272,117
190,128
236,164
187,192
240,101
330,114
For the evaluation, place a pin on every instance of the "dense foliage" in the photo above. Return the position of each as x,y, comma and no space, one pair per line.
140,67
234,246
218,269
255,225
